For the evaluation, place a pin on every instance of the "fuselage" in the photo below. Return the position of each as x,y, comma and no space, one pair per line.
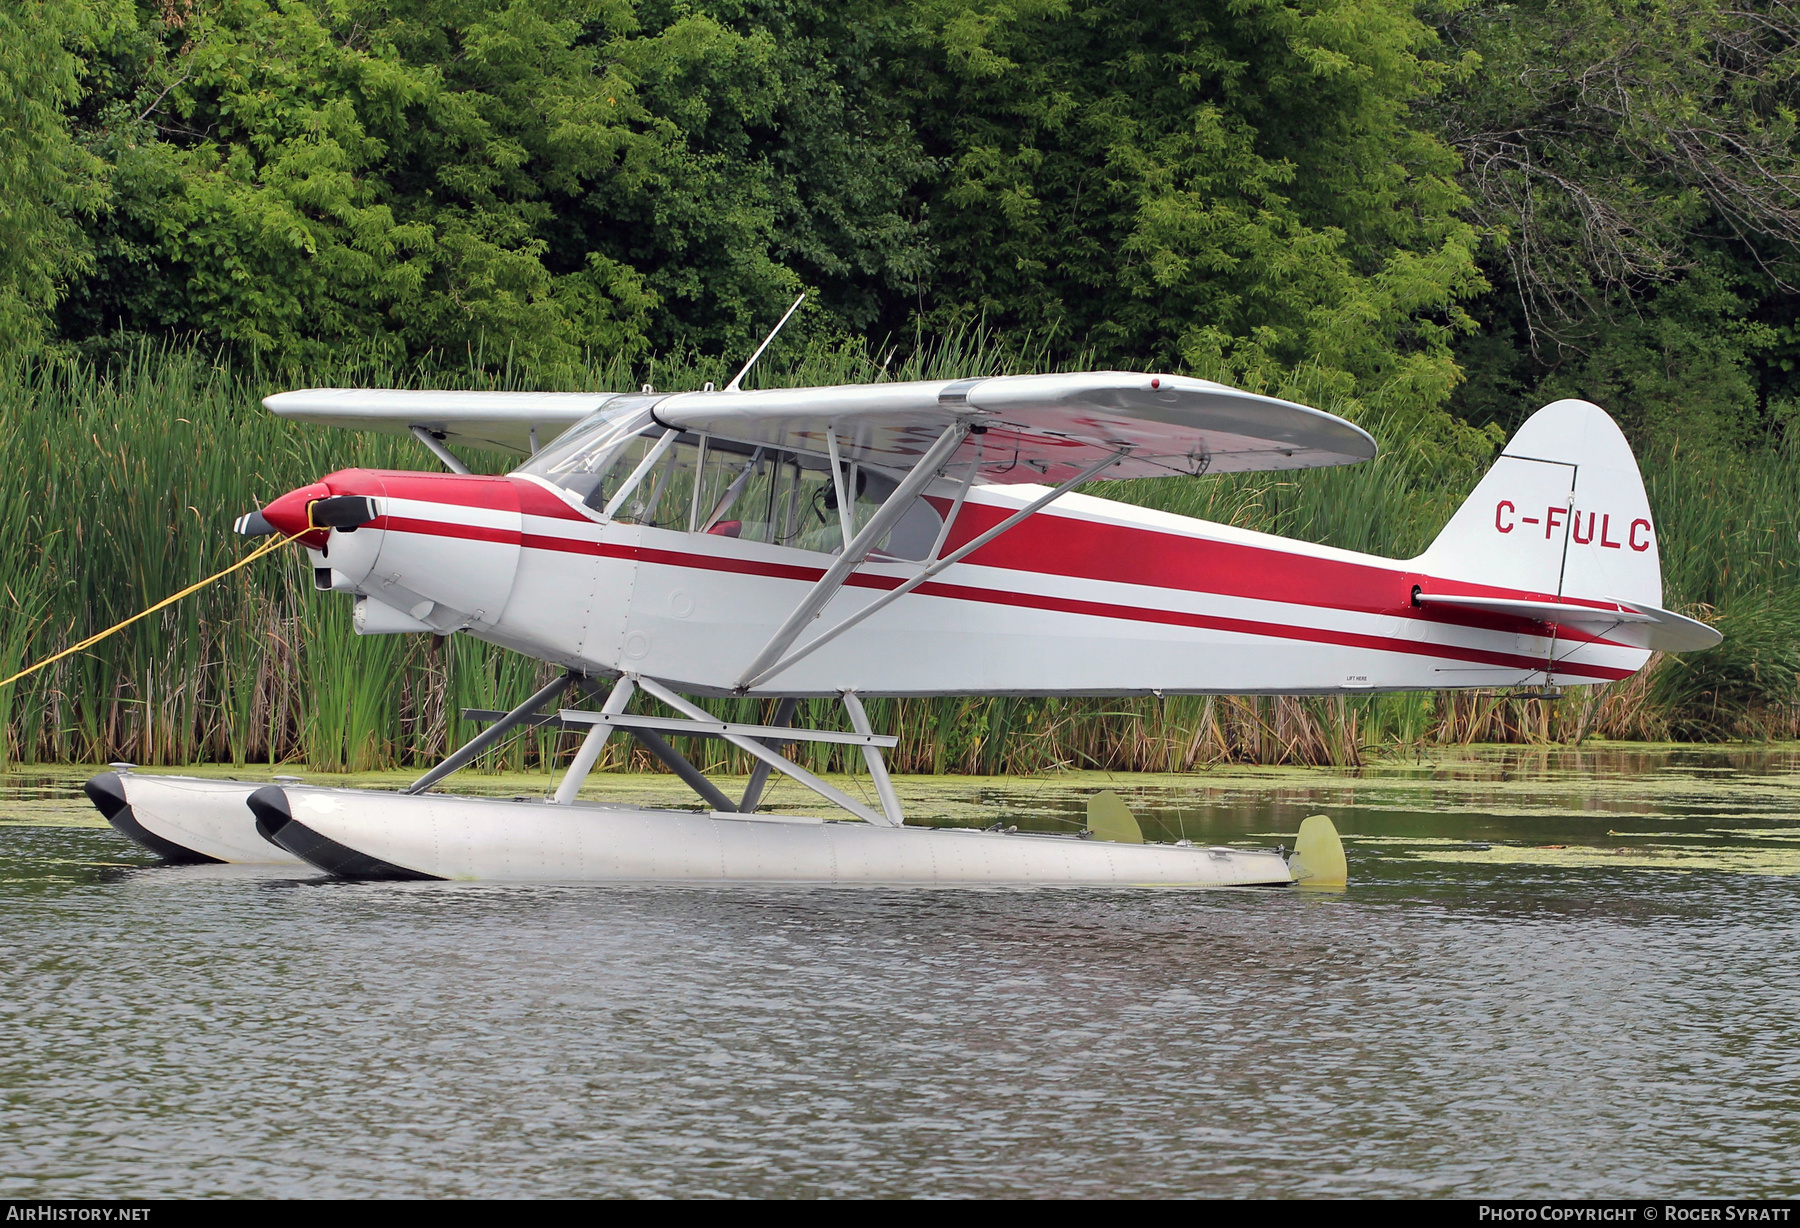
1089,596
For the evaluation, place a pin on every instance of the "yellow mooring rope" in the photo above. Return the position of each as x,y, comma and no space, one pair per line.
266,548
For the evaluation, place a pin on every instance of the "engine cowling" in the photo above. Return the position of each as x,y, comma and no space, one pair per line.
440,548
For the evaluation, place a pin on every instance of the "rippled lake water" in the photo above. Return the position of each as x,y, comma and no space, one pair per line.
1551,974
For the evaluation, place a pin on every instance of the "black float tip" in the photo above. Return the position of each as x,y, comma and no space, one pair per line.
270,806
107,792
279,827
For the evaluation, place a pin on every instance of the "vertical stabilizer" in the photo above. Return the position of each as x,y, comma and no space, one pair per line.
1561,515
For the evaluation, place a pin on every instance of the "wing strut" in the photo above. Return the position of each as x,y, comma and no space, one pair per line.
962,492
846,503
423,435
963,551
884,519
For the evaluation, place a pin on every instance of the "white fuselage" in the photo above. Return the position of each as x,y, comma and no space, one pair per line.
1089,596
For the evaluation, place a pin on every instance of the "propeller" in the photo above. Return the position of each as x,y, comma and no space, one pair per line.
345,513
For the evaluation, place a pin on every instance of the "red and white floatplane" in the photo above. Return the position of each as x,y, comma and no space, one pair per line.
896,539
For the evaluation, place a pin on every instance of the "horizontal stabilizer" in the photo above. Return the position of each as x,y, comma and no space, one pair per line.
1672,632
1653,628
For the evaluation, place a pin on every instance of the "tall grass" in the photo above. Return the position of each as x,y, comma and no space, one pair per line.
123,480
123,483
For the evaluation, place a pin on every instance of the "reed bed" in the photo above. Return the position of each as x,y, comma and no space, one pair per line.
124,477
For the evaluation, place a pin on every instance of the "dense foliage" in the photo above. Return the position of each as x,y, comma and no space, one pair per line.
1633,168
1242,189
1368,203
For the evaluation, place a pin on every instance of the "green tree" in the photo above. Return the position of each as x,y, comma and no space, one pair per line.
1635,168
1239,187
47,182
260,198
536,178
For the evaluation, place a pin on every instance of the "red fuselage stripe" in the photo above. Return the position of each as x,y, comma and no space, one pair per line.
1089,549
960,592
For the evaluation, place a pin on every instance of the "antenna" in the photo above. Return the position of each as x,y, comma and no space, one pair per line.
738,378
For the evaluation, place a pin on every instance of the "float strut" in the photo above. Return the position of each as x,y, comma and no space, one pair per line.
467,753
594,743
884,786
677,763
759,775
674,760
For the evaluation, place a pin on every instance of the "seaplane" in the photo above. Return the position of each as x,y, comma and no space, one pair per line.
921,538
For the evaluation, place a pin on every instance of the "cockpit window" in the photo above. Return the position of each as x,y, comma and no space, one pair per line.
789,499
722,487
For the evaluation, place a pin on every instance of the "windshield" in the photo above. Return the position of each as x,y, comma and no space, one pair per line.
585,459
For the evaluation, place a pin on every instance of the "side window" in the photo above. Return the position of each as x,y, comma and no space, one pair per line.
729,489
765,495
609,467
665,497
790,500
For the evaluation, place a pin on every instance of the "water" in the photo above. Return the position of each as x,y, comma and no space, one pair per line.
1614,1017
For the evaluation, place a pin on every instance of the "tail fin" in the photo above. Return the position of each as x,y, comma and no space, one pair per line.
1561,516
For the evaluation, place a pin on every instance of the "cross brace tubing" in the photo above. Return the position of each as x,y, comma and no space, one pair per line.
487,715
722,729
780,763
554,720
489,737
695,722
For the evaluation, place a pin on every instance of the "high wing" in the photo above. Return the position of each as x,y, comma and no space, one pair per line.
1037,428
1026,428
503,420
